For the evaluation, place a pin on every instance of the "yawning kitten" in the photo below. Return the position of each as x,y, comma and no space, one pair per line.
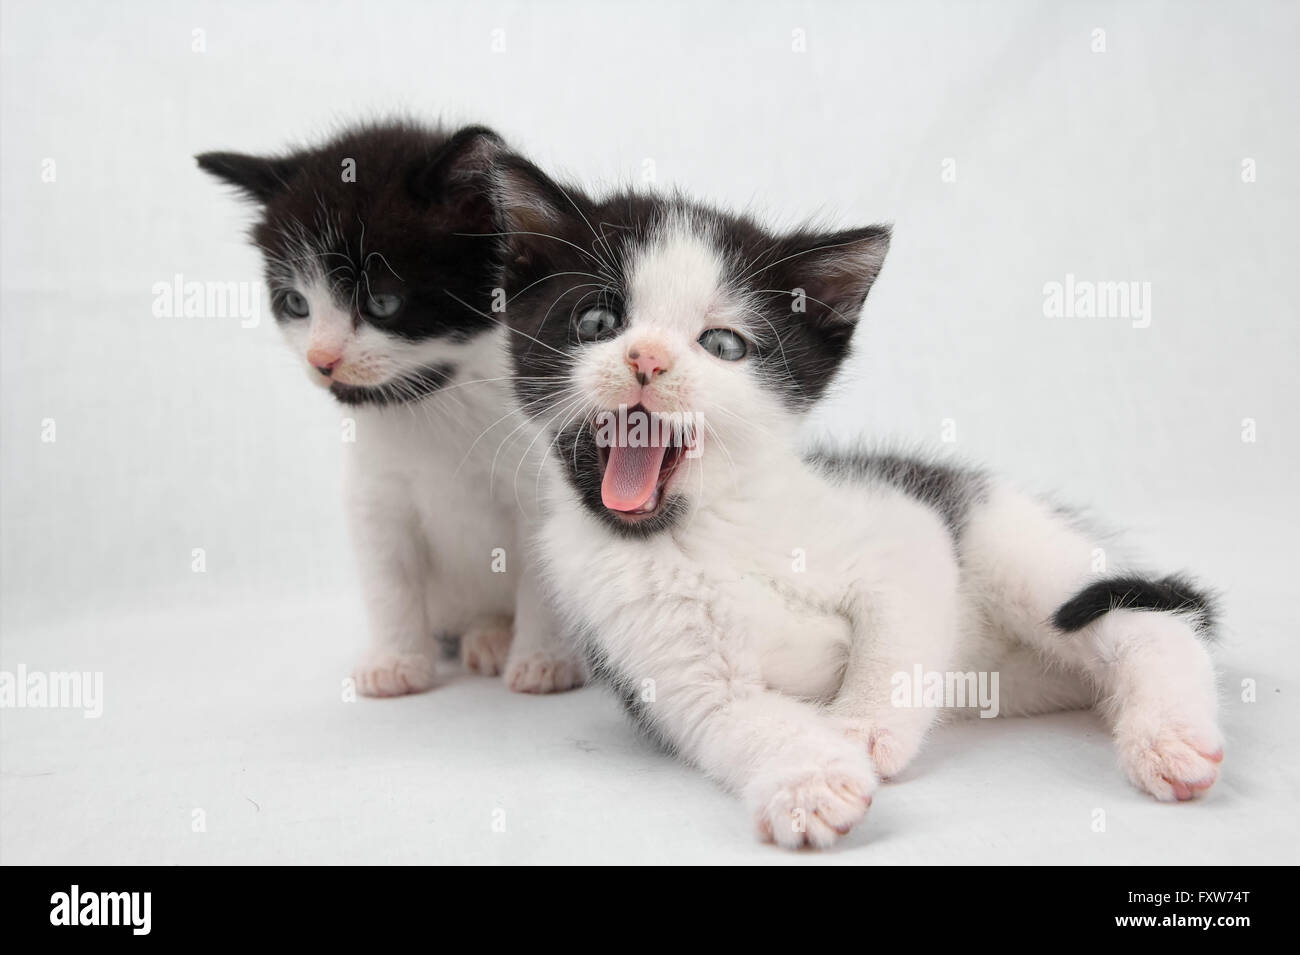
761,612
381,268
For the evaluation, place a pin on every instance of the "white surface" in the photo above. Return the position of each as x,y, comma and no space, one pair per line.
222,689
238,714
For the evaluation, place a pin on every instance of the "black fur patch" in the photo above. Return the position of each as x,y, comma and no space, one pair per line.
1175,594
415,220
950,489
807,291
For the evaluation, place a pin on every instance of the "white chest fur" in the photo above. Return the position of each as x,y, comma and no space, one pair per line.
447,479
784,582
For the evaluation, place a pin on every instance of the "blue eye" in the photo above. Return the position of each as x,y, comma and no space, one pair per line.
295,303
598,323
724,343
383,305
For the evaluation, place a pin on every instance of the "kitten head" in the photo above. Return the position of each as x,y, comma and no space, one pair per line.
669,347
376,253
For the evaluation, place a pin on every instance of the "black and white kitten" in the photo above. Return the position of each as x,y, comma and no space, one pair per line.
756,608
380,272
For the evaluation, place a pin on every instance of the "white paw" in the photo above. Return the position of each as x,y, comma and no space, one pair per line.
544,672
892,739
484,647
395,674
812,807
890,753
1174,762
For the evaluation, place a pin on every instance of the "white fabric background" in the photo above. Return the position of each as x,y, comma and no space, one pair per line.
176,433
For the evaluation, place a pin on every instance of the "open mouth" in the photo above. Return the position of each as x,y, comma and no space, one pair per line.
638,460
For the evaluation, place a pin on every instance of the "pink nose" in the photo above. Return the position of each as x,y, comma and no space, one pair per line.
647,361
324,360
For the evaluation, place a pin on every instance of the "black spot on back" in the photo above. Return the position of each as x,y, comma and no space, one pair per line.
949,489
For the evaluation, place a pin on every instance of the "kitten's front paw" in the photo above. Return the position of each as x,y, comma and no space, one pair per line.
545,672
395,674
891,745
1175,762
812,807
485,646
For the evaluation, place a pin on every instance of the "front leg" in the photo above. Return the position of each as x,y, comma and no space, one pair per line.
542,658
700,688
393,559
908,618
485,645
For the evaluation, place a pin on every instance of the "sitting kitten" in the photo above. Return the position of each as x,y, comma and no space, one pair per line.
382,287
755,609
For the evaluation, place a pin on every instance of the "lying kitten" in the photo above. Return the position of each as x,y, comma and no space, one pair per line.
754,609
381,285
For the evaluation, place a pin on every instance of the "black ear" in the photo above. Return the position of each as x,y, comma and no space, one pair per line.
259,177
540,218
458,175
528,199
828,275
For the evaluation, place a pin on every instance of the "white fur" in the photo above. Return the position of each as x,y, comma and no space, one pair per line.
761,633
437,491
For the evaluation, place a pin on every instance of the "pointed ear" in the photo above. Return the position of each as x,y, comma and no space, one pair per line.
829,274
536,213
260,178
458,174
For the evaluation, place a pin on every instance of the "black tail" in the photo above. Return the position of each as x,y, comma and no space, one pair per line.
1174,593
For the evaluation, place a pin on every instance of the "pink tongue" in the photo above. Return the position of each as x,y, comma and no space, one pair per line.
630,477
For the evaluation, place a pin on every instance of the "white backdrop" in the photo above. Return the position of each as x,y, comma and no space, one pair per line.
1011,144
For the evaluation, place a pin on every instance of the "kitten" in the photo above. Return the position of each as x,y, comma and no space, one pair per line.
759,611
380,268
